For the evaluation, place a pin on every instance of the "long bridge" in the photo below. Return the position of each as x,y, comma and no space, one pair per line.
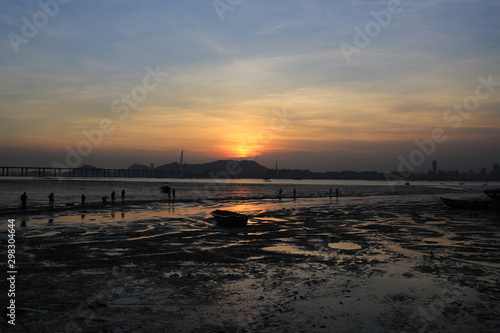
84,172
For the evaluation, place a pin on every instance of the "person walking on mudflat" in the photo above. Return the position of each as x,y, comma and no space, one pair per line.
113,194
123,195
24,199
51,199
83,199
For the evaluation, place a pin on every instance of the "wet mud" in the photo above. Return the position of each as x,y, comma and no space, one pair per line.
316,266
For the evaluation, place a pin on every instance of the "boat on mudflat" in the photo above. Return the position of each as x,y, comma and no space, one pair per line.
493,193
495,206
227,218
467,204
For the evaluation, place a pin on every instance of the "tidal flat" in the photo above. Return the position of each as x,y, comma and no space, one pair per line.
307,265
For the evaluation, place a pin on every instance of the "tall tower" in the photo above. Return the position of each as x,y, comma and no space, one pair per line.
434,167
182,158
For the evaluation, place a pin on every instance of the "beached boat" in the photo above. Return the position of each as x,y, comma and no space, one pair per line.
495,206
493,193
466,204
227,218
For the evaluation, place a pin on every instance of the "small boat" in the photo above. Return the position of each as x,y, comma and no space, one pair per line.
495,206
166,189
466,204
227,218
493,193
267,180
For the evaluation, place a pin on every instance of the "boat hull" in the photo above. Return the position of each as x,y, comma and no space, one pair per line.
466,204
229,219
495,206
494,194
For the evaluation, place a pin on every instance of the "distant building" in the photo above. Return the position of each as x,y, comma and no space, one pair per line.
152,166
434,167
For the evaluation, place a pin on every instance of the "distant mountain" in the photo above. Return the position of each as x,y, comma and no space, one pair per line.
219,169
171,167
138,167
87,166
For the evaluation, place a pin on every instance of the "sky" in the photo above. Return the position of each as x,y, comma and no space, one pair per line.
319,85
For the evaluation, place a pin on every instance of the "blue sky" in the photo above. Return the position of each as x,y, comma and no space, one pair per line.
225,78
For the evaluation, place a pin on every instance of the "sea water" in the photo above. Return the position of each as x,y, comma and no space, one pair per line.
69,190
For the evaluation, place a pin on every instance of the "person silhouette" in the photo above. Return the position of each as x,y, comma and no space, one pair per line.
83,199
280,192
51,199
113,194
24,199
123,195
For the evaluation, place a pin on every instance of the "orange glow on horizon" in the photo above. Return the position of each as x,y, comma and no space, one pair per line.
239,146
244,151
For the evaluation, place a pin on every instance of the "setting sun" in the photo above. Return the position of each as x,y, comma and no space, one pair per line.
244,151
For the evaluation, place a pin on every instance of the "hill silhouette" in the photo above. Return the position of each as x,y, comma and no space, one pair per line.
138,167
218,169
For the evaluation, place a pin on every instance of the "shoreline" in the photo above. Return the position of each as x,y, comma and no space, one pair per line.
42,209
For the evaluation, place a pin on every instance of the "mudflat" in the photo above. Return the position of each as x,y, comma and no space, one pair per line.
312,265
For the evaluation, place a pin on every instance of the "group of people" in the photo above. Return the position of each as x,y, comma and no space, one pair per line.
113,197
24,199
169,191
280,193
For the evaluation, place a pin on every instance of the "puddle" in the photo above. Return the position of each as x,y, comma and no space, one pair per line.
273,219
116,252
46,234
149,227
288,249
256,258
344,246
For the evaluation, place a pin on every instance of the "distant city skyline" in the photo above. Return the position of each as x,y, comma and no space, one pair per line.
435,170
319,85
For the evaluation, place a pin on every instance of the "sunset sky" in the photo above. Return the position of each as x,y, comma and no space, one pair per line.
320,85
